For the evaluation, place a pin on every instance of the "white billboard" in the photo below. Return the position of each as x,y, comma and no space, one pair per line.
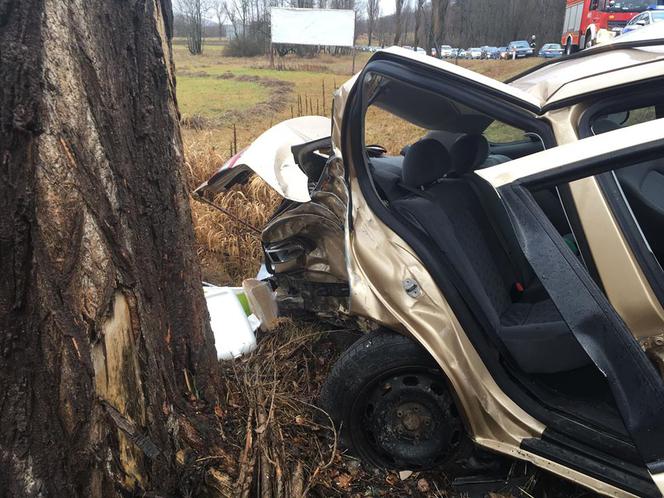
313,26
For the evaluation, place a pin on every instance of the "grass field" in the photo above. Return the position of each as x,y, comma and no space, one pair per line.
228,99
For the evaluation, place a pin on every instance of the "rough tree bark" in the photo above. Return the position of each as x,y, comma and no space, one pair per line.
105,348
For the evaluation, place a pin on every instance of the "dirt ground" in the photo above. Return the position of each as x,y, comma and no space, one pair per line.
277,443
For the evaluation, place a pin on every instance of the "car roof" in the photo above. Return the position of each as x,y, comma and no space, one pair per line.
601,67
460,72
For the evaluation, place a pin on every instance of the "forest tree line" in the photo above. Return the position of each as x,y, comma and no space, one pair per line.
422,23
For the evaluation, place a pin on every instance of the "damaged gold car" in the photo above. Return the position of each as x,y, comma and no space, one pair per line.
504,249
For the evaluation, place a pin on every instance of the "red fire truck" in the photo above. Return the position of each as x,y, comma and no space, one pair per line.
588,22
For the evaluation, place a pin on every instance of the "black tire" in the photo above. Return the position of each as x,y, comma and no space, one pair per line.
392,404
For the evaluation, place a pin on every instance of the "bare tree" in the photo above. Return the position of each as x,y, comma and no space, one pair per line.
418,20
438,11
397,21
373,13
219,8
106,355
193,12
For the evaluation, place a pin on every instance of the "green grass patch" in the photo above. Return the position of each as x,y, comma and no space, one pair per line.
211,97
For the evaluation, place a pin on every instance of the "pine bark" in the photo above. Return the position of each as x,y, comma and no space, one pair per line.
105,347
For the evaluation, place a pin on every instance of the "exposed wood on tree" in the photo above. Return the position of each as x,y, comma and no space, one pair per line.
101,303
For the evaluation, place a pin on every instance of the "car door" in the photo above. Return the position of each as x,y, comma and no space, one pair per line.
628,365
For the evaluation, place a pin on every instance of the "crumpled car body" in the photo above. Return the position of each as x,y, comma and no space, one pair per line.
339,247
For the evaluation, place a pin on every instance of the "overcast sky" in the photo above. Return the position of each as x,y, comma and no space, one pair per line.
387,7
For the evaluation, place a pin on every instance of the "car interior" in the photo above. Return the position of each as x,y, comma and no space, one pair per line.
431,184
642,184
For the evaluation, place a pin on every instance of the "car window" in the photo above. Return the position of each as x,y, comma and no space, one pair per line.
642,187
628,117
401,115
389,131
642,184
501,133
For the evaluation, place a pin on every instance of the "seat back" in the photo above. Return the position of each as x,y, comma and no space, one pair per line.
451,213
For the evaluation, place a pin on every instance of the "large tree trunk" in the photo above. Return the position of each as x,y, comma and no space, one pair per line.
438,9
397,21
105,347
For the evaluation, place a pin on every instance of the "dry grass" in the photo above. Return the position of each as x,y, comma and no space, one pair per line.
277,443
229,251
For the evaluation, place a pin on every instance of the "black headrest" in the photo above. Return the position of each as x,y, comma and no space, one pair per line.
468,153
426,161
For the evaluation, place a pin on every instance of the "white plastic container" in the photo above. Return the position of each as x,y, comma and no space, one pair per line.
233,329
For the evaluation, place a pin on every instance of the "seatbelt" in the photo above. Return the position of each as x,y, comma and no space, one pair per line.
497,229
517,288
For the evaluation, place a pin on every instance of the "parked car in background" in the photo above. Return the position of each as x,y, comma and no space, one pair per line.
644,19
489,52
446,51
520,49
474,53
419,50
503,53
460,53
550,50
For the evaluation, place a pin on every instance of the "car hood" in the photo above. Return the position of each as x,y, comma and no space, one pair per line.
270,157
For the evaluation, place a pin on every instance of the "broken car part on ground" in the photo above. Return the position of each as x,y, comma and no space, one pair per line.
505,260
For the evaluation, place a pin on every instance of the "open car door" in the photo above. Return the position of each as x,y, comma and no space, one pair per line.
636,385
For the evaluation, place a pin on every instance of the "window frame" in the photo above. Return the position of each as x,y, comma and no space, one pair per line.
613,192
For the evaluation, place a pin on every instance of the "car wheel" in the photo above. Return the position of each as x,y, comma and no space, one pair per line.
392,404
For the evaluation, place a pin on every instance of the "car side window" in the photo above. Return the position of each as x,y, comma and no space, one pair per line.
622,119
642,184
501,133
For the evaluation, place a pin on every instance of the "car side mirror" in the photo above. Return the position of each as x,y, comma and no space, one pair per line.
640,22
